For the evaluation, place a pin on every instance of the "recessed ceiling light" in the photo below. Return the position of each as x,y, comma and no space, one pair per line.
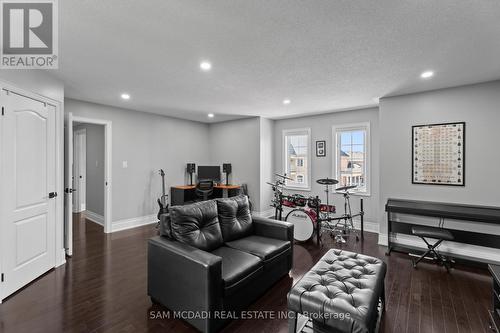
205,66
125,96
211,115
286,101
427,74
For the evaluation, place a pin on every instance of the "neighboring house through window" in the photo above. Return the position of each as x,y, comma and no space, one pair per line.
297,157
351,156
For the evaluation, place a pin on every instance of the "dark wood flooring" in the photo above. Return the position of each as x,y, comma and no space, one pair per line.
102,288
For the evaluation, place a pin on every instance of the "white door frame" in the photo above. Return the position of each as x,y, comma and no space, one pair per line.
59,109
107,165
80,150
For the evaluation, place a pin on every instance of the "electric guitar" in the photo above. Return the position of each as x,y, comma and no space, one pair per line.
162,201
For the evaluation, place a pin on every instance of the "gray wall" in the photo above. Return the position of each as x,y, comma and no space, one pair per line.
94,191
321,129
266,162
148,142
238,142
477,105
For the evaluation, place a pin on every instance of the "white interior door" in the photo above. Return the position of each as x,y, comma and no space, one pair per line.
28,191
79,170
68,183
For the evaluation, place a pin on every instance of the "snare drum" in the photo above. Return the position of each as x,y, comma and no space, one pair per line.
304,222
312,202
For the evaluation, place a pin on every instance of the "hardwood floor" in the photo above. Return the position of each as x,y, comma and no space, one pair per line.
102,288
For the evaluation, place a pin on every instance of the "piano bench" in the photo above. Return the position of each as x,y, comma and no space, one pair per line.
440,235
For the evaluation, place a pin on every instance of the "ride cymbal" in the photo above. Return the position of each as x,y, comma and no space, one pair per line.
327,181
345,188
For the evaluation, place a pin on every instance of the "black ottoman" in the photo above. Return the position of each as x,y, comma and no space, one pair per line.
340,293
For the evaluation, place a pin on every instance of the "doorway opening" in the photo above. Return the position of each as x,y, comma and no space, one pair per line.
88,171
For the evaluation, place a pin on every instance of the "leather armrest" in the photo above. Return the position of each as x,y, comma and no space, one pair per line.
182,277
272,228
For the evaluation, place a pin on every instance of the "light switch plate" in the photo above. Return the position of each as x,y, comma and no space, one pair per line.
125,164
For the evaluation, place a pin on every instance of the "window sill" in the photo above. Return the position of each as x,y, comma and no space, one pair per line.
296,188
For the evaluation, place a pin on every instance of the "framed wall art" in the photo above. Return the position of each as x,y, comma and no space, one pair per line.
320,148
438,154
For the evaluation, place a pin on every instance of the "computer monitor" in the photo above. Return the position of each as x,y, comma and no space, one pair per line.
209,172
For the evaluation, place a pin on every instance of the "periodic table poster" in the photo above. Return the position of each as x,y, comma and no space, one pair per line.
439,154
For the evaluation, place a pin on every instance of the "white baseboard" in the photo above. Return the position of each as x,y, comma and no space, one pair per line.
94,217
467,251
133,222
370,226
77,209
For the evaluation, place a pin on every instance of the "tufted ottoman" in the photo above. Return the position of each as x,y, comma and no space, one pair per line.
340,293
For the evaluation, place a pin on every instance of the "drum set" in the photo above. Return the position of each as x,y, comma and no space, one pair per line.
310,216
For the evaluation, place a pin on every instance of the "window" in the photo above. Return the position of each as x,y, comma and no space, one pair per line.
297,152
351,165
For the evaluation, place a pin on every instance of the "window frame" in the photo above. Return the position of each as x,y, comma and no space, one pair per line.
284,152
336,130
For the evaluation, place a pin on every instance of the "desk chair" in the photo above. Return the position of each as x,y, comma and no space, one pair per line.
204,189
439,234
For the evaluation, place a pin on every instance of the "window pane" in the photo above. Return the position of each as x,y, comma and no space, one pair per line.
345,138
358,137
351,168
296,159
358,152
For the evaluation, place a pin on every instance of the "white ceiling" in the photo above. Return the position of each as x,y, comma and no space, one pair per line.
323,55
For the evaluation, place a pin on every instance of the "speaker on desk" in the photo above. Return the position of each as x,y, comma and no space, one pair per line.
226,168
190,169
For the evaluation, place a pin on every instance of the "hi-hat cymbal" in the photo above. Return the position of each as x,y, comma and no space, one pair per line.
327,181
345,188
283,176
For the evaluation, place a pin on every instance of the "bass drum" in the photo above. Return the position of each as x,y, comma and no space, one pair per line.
303,222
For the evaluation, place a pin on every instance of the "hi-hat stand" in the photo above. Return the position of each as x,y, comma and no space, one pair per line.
343,224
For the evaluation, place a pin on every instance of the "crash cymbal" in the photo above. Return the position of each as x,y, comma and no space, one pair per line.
268,183
345,188
327,181
283,176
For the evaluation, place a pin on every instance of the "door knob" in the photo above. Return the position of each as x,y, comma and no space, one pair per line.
52,195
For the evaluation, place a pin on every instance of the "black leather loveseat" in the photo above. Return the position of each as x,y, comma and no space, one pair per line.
213,259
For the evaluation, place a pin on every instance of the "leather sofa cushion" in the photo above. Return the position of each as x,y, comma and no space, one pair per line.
235,218
238,268
197,225
263,247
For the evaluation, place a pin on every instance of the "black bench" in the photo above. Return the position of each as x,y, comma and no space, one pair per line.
440,235
341,293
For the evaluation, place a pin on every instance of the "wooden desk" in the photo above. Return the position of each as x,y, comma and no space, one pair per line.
185,194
